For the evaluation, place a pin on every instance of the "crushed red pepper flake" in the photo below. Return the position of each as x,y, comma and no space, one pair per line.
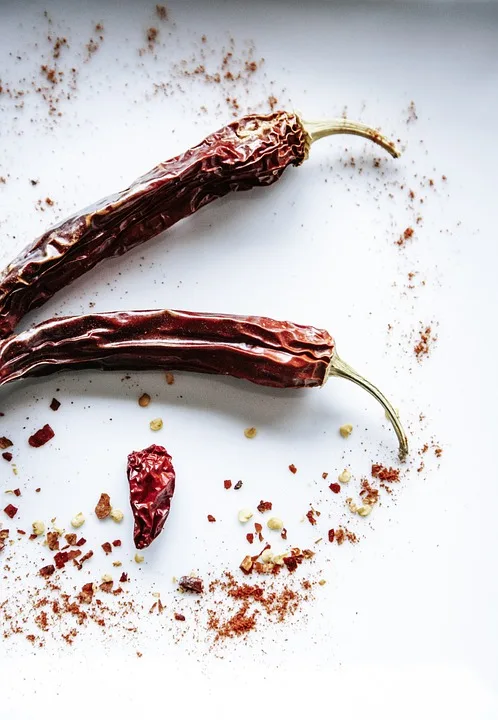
47,570
124,577
117,543
264,506
191,584
179,617
227,484
41,437
331,535
311,517
103,507
4,534
325,475
71,538
7,456
52,540
10,510
335,487
293,468
55,404
385,474
5,443
283,534
211,518
250,538
107,547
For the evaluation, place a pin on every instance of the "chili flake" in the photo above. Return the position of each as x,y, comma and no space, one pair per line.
10,510
211,518
5,443
41,437
293,469
55,404
107,547
7,456
311,517
180,617
103,507
264,506
47,570
335,487
191,584
250,538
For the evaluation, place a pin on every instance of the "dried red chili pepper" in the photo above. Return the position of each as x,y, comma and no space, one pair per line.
152,483
263,351
251,152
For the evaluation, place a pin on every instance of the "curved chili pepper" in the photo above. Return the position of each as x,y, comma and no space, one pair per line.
253,151
266,352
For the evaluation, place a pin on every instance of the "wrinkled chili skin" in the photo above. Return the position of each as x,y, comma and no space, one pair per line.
266,352
152,483
250,152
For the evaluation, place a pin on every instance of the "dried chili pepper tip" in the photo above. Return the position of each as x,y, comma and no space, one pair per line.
341,126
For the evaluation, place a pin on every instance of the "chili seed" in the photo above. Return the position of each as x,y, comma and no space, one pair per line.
345,476
138,558
364,510
78,520
346,430
250,432
156,424
170,378
144,400
38,527
245,515
116,515
322,582
266,556
106,578
275,523
351,505
117,563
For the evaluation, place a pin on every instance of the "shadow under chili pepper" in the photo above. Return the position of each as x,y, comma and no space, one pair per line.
283,411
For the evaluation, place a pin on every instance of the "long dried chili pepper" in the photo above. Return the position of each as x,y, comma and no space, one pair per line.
251,152
263,351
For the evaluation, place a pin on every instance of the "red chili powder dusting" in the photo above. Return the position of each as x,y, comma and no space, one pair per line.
423,346
385,474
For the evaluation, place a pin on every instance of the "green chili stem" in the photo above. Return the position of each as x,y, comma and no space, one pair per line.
339,126
339,368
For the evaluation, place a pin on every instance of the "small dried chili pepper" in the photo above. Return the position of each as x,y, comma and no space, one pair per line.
253,151
266,352
152,483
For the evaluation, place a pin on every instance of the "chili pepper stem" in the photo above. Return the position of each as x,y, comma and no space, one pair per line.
339,368
340,126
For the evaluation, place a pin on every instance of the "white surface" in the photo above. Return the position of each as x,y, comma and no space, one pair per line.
406,625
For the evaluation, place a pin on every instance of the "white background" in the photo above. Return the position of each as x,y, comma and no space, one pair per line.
406,625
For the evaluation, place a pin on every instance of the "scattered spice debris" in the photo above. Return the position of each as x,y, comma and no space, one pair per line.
423,347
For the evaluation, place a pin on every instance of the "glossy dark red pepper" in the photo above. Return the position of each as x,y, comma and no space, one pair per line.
250,152
152,483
